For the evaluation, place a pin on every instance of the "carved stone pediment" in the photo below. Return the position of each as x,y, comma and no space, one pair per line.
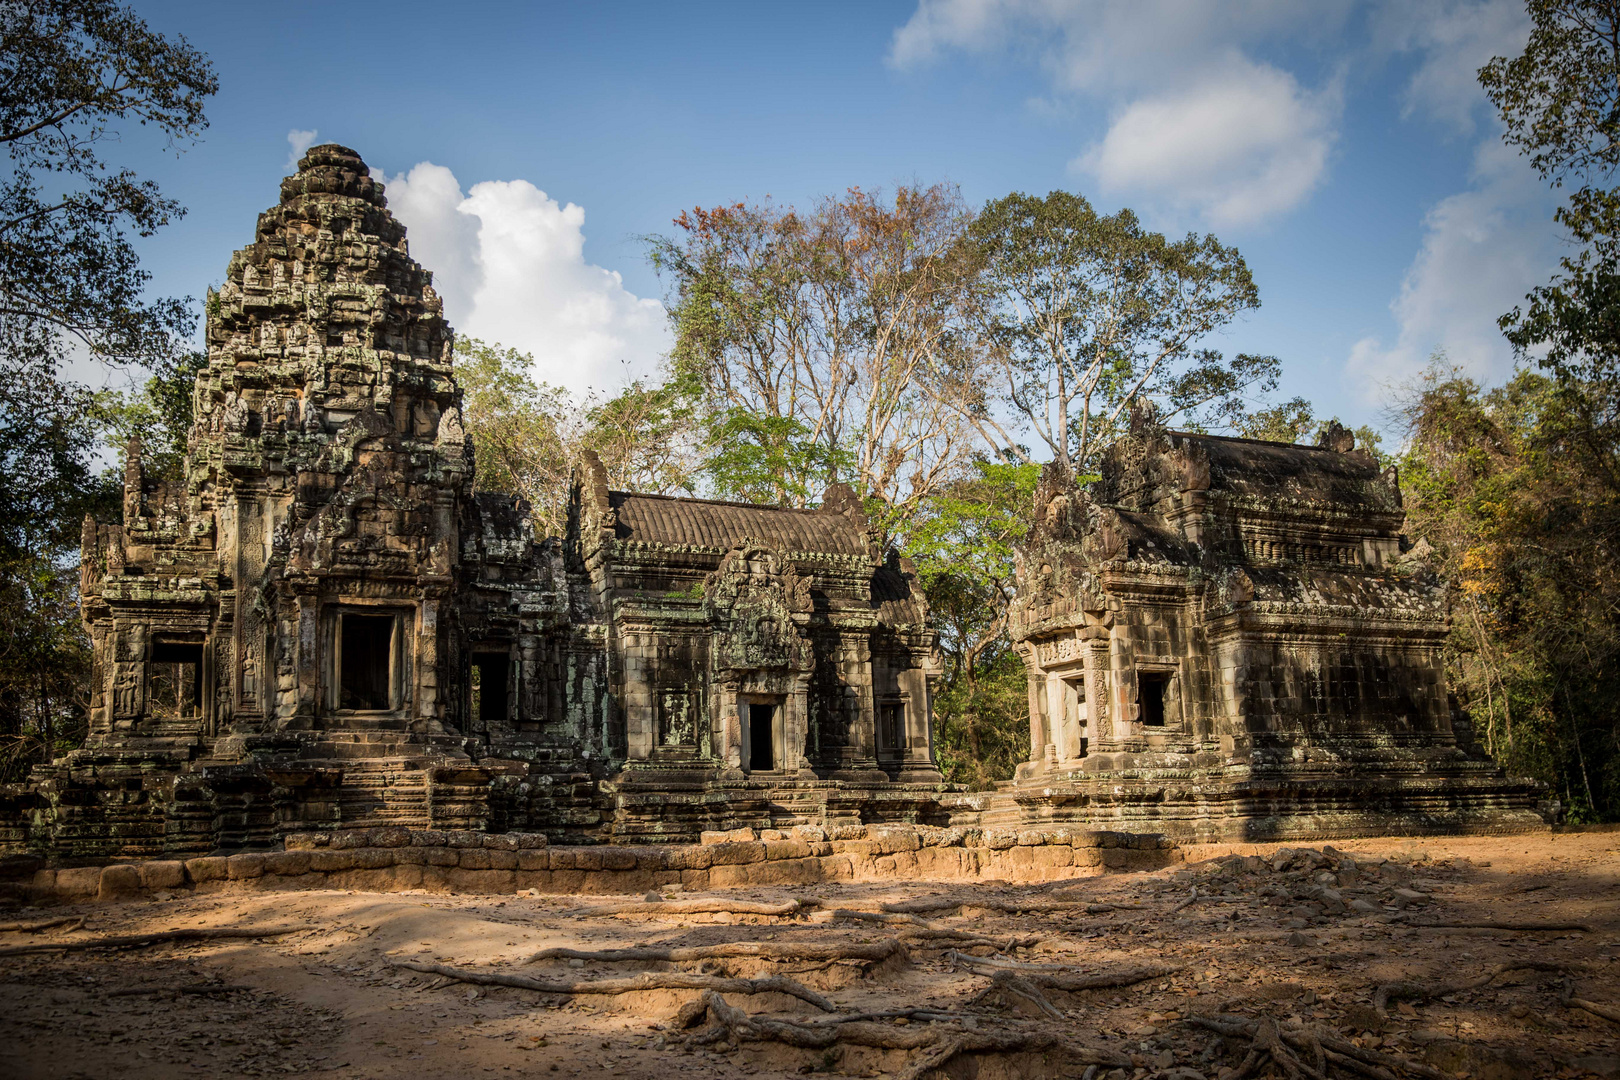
758,603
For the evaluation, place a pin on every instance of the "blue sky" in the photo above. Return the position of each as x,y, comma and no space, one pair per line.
1342,147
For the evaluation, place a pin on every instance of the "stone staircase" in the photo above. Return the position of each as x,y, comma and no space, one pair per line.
383,791
388,777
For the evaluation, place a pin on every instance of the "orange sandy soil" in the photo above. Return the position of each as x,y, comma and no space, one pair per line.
327,1002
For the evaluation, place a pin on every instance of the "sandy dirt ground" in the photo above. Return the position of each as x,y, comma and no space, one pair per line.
1305,946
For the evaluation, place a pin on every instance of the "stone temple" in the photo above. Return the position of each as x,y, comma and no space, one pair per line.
1229,638
324,624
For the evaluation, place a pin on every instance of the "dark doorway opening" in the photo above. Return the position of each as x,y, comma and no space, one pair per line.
489,698
366,649
176,688
891,726
1151,687
761,737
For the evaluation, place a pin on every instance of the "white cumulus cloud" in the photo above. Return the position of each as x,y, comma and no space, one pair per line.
298,144
1483,249
1197,124
1235,147
509,262
1453,40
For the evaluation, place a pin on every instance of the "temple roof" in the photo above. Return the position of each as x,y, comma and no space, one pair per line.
1315,473
1138,473
671,521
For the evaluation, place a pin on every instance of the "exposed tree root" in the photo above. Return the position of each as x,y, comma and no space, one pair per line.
1021,994
649,980
1419,991
72,922
157,937
1510,924
917,929
762,950
1607,1012
1004,907
1055,976
937,1046
696,907
1331,1048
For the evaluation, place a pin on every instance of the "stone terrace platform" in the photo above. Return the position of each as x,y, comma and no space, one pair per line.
397,859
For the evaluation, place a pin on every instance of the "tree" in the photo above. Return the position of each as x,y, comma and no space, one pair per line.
1560,105
522,431
158,413
1078,315
1506,486
963,542
1295,421
527,435
76,76
48,434
73,75
808,340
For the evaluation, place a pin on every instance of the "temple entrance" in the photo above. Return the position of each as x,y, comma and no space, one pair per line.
891,730
365,661
762,737
488,705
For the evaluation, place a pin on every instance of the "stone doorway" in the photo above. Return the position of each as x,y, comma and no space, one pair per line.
488,699
764,720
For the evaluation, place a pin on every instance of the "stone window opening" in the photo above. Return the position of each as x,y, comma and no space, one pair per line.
763,720
175,682
489,688
1074,707
367,648
891,728
1152,688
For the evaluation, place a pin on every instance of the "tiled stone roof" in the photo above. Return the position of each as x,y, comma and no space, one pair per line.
664,519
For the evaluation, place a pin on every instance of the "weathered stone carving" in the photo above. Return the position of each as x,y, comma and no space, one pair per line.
324,623
1221,638
347,632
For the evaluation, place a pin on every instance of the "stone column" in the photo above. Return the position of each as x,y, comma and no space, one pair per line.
796,729
728,727
427,704
917,765
244,525
640,710
309,657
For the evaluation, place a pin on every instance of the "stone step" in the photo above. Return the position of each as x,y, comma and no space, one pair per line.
383,791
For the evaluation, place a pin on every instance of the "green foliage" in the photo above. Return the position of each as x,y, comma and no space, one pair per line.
1296,421
528,435
1517,491
962,542
76,76
981,725
48,434
522,431
1560,104
1081,314
158,413
768,459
